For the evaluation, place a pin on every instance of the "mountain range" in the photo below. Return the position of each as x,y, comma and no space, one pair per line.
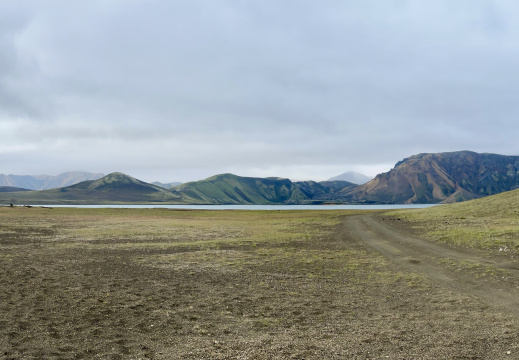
43,182
423,178
119,188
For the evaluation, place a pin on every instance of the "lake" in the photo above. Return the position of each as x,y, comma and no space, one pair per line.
255,207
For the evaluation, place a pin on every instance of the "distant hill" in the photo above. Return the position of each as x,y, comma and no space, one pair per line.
441,177
353,177
113,188
166,185
43,182
11,189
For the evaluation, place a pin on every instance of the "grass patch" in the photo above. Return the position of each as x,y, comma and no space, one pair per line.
477,269
284,243
491,223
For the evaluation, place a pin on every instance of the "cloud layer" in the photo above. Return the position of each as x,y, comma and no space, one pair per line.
181,90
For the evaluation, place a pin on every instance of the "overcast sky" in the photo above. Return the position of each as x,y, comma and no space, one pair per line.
179,90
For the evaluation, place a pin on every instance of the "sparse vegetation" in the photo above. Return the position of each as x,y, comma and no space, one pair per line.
166,284
475,268
490,223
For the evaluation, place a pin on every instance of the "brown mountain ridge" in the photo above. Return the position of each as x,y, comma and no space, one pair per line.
440,178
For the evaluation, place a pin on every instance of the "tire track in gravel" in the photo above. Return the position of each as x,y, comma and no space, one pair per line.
424,257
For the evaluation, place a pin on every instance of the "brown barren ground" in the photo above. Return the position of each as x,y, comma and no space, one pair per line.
162,284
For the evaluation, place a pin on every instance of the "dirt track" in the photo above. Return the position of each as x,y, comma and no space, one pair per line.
428,258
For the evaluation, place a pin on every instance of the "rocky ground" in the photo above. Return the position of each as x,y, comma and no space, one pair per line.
333,293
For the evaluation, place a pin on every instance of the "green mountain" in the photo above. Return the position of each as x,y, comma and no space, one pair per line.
232,189
440,178
113,188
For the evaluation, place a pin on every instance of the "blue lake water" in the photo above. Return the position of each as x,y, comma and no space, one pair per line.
255,207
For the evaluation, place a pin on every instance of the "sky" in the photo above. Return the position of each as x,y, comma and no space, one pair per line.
180,90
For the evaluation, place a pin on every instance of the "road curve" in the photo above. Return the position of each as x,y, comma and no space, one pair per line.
428,258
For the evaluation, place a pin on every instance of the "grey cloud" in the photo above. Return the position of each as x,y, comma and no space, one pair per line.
19,93
248,84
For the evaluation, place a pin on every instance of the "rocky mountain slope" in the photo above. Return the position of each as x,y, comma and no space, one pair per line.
440,178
